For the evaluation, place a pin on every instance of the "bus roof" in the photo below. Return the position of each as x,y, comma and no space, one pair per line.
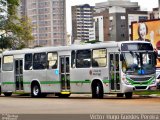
68,48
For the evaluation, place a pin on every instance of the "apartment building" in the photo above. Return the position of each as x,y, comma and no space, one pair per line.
100,30
82,21
48,19
119,16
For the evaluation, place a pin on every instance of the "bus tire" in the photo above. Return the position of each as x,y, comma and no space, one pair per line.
128,95
35,91
97,90
120,94
7,94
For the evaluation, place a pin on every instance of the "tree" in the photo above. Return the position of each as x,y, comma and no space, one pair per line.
17,32
23,32
92,41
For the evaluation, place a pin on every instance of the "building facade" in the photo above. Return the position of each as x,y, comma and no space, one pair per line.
116,3
100,31
48,19
135,16
82,22
117,18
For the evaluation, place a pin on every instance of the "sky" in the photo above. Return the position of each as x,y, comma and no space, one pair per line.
144,4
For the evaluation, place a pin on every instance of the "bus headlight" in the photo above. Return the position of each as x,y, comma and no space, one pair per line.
126,81
154,81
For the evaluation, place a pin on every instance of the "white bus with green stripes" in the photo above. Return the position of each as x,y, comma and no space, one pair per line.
97,69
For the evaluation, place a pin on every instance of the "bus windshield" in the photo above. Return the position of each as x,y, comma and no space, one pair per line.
138,63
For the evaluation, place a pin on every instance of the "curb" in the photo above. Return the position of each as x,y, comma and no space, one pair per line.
151,96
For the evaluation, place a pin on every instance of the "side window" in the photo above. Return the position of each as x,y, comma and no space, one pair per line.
39,61
28,62
83,58
99,58
73,59
7,63
52,60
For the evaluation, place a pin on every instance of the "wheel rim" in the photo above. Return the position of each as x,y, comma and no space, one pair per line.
35,91
97,90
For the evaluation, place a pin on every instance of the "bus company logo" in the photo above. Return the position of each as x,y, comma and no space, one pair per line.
96,72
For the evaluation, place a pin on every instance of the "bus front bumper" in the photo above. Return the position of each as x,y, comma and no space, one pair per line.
131,88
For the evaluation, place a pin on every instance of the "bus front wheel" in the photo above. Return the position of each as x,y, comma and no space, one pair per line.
97,90
7,94
128,95
35,91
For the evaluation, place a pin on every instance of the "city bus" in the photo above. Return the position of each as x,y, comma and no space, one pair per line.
97,69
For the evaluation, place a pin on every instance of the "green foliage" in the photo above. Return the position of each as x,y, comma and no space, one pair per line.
147,92
17,32
5,42
93,41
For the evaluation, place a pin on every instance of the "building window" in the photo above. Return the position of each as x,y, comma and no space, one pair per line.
143,18
122,35
123,17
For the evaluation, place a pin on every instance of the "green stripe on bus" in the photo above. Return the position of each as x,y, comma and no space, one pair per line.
58,82
26,82
8,83
81,81
106,81
50,82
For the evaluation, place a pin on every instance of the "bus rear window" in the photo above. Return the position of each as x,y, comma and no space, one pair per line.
7,63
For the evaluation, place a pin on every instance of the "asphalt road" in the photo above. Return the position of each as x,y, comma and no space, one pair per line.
79,104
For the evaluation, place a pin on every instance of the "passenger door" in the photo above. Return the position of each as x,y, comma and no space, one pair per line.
64,73
114,71
19,74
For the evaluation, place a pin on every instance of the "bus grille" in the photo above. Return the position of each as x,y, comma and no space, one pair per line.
140,87
141,79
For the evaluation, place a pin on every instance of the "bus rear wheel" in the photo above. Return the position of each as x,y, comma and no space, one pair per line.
128,95
7,94
35,91
97,90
